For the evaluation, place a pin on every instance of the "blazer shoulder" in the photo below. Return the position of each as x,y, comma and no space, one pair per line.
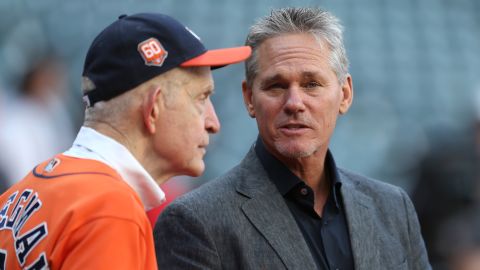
212,194
370,187
367,184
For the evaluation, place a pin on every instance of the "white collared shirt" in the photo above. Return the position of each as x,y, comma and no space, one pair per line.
91,144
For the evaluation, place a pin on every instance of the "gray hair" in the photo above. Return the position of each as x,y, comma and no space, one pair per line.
324,26
116,110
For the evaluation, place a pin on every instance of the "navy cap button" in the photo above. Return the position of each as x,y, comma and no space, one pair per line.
122,16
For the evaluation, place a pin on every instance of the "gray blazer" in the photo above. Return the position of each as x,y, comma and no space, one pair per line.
240,221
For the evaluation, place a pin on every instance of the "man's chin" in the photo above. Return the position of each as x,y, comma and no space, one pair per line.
294,150
196,171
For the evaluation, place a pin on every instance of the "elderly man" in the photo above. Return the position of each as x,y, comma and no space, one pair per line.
147,86
287,205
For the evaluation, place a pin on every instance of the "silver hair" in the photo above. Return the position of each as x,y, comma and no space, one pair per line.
324,26
116,109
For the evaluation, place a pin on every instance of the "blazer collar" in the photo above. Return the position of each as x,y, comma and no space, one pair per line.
268,212
266,207
358,212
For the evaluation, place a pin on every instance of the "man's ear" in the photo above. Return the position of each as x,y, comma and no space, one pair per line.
247,99
151,108
347,95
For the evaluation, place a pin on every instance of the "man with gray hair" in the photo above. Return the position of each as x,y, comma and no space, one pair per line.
287,205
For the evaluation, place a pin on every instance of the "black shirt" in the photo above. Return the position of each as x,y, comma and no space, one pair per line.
326,236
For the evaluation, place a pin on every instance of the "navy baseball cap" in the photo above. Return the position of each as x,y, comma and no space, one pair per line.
136,48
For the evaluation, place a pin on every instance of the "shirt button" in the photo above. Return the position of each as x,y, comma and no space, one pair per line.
304,191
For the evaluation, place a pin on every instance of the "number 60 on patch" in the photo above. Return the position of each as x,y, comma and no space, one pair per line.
152,52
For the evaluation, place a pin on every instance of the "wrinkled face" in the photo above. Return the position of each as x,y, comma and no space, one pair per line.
295,96
186,121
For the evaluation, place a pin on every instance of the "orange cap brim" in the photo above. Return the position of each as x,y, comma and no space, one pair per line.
219,57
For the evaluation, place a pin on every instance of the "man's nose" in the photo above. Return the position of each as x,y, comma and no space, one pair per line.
212,124
294,100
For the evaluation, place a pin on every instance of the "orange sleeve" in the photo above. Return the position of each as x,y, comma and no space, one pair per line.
106,243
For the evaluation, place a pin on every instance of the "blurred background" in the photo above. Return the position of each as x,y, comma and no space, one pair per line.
414,121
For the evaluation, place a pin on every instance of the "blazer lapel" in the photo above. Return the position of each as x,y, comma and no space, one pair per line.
360,225
268,212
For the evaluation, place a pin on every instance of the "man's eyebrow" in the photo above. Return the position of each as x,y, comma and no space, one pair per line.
269,80
309,75
279,77
208,91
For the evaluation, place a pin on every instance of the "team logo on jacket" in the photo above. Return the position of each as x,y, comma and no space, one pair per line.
152,52
52,165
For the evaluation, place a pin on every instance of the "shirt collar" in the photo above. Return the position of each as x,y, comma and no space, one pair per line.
91,144
285,180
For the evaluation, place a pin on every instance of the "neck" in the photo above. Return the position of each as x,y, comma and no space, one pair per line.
137,146
113,132
312,171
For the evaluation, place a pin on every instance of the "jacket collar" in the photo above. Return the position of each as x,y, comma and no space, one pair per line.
91,144
266,207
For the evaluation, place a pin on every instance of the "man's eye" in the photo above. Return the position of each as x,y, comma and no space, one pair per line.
274,86
312,84
203,98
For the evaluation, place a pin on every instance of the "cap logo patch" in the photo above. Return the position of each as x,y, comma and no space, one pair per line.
152,52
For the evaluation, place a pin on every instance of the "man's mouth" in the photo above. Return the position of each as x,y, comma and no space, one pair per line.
294,128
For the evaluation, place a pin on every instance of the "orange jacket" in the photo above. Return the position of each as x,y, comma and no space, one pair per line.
72,213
